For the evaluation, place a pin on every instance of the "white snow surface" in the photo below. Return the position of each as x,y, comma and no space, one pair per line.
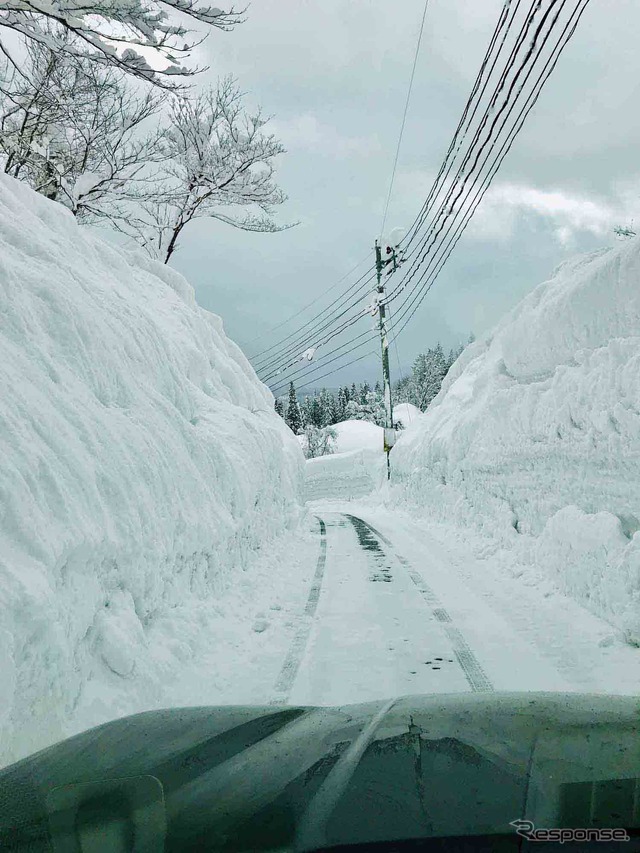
353,470
143,465
405,413
358,435
534,438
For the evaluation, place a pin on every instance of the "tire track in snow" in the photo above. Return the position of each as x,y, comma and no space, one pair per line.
293,659
475,675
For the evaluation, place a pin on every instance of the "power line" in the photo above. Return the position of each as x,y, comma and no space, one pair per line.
427,243
293,352
454,149
473,181
271,361
567,33
299,343
499,26
335,370
306,307
357,317
322,366
284,342
307,367
404,119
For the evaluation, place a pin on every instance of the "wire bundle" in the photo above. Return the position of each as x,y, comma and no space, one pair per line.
524,49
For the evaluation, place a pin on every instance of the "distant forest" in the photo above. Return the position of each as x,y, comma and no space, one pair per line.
365,403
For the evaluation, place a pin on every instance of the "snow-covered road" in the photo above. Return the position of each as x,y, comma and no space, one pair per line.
375,603
380,631
392,611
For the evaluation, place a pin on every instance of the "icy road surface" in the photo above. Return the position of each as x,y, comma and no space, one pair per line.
391,611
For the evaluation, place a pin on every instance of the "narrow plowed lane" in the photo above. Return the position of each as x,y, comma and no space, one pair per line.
387,624
380,629
374,635
396,609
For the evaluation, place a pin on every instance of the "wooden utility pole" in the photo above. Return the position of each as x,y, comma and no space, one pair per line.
389,432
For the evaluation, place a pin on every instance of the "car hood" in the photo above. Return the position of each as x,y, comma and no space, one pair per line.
303,778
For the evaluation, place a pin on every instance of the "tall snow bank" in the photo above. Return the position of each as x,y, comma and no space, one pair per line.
142,464
535,435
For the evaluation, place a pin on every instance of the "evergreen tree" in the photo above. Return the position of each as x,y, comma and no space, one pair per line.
353,393
433,369
343,399
353,411
427,374
402,391
305,410
334,411
364,393
454,354
374,408
294,415
279,405
326,402
315,412
419,379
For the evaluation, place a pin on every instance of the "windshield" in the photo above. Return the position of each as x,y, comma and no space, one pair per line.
319,347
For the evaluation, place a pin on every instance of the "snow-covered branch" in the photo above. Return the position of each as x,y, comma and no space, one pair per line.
218,162
140,37
77,133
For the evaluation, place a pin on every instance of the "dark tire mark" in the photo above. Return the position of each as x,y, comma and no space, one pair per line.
293,659
475,675
369,541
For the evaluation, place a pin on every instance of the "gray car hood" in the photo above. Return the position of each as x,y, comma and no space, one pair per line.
297,778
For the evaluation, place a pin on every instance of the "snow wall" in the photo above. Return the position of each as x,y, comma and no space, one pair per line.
142,466
353,469
535,435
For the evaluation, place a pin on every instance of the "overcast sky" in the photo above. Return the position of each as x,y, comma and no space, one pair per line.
333,74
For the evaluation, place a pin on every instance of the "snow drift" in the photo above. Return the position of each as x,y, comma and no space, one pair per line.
354,468
142,465
535,435
357,466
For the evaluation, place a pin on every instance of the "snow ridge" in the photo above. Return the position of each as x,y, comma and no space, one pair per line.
534,437
142,466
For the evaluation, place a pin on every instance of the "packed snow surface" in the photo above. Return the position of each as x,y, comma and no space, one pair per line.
142,467
534,438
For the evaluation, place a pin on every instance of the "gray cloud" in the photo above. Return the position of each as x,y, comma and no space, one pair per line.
334,76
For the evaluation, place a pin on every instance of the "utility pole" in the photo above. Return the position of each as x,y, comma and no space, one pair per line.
389,432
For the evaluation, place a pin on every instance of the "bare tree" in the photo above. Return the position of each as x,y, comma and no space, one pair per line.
29,111
83,135
77,133
126,34
218,163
